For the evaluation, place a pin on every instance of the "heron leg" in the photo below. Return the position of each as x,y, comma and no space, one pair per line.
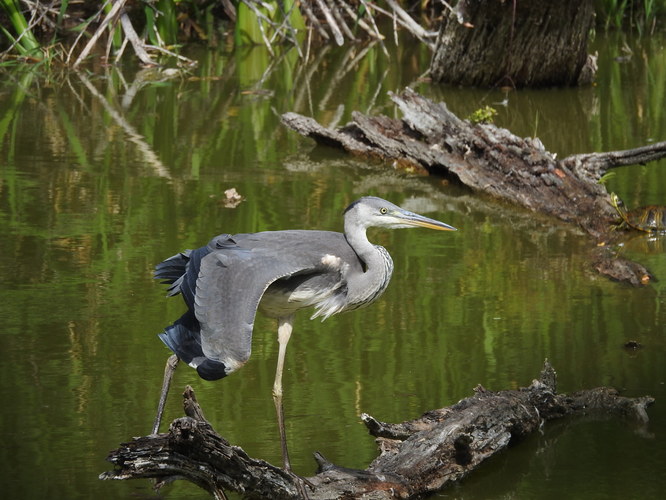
284,333
170,367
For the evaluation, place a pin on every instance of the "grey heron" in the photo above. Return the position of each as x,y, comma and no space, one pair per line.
277,272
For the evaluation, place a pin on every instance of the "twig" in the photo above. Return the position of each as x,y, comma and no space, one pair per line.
117,6
137,43
338,17
337,34
43,9
230,9
404,20
314,21
289,31
371,18
260,16
372,31
412,25
448,6
170,53
121,50
308,44
83,30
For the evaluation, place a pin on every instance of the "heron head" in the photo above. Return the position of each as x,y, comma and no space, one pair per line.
371,211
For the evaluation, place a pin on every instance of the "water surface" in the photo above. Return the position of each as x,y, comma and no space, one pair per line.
103,176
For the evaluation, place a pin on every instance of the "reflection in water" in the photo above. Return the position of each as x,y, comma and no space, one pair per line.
149,156
643,243
102,177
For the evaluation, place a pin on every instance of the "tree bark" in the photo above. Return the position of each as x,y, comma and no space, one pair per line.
489,159
416,457
515,43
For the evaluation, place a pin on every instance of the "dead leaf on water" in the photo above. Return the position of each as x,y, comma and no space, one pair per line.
232,198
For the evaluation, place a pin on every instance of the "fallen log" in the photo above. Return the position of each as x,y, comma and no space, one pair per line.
486,158
416,457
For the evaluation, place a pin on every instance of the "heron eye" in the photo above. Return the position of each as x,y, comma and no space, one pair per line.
383,210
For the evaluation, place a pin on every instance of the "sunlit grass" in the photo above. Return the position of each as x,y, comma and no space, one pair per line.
23,41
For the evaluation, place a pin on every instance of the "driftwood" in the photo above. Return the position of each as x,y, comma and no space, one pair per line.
416,457
431,139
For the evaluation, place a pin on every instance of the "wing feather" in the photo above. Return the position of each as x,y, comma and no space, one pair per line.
235,275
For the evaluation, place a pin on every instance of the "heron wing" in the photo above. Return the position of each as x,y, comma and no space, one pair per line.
234,276
181,270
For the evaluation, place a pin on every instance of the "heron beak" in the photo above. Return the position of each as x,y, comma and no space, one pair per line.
412,219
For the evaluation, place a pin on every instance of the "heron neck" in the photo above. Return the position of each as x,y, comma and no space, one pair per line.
366,287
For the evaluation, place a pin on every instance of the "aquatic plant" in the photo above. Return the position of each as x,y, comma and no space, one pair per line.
641,15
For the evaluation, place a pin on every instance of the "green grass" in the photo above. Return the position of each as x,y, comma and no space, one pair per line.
23,39
639,15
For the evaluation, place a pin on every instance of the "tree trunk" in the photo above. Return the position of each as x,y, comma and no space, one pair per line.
515,43
492,160
416,458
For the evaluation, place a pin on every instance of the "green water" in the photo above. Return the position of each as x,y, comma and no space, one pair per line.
103,176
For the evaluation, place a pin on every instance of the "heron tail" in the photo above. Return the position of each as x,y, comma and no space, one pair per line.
184,339
172,271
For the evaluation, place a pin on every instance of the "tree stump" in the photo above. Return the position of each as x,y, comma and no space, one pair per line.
416,457
515,43
485,158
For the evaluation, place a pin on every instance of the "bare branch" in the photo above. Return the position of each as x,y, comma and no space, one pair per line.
137,44
112,14
337,34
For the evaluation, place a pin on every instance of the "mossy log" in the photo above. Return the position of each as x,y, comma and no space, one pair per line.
416,457
489,159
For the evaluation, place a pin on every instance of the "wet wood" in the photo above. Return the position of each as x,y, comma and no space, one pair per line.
489,159
516,44
416,457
